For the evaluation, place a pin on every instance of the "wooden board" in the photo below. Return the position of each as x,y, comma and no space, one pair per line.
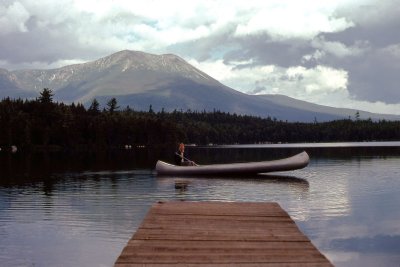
219,234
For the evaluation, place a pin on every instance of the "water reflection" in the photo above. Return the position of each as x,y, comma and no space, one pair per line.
360,208
28,168
266,179
85,218
255,188
66,210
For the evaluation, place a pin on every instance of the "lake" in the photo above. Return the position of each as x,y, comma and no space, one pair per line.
80,209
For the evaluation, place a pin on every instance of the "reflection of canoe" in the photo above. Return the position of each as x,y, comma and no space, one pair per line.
295,162
271,179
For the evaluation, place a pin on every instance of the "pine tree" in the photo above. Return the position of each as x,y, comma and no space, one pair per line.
94,107
112,105
46,96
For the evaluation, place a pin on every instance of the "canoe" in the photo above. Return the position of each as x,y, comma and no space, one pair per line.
295,162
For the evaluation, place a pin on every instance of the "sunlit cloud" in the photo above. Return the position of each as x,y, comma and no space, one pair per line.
292,19
321,85
339,49
337,53
13,18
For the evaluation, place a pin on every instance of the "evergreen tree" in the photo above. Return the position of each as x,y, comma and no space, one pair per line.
46,96
112,105
357,115
94,107
151,111
33,123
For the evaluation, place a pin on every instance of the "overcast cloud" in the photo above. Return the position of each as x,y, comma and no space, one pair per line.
336,53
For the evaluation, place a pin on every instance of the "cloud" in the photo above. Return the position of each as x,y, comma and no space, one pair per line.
373,73
138,25
297,81
292,19
392,50
321,84
339,49
13,18
320,51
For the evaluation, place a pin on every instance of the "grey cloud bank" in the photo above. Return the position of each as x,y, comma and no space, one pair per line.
339,53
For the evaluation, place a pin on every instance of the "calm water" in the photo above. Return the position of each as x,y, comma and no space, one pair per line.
80,210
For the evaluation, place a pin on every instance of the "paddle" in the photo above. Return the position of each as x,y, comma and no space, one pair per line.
186,158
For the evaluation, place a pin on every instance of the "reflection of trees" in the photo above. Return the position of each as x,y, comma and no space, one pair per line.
45,168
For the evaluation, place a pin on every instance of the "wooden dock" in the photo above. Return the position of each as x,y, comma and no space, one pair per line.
219,234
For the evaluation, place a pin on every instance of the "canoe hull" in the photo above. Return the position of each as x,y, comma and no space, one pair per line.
295,162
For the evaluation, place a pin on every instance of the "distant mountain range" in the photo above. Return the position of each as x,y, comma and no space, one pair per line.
168,82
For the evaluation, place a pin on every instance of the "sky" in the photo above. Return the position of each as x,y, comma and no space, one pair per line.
341,53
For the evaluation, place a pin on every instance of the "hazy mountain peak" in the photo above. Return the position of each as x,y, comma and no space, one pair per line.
167,81
135,63
133,58
127,60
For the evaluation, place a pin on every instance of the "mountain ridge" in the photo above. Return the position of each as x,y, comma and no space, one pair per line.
168,82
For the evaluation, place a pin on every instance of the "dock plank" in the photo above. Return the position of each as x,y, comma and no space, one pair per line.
190,244
219,234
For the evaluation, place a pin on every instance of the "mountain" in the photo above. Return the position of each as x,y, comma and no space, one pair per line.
166,82
283,100
9,86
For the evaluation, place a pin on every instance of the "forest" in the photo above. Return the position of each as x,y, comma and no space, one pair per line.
42,124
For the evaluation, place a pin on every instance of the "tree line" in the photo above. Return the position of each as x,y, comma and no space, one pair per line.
44,124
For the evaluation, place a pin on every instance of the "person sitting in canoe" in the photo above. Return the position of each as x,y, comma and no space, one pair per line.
180,158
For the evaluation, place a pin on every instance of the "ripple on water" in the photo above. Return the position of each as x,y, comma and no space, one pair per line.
97,212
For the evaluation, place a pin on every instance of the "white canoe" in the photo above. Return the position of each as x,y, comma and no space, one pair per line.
298,161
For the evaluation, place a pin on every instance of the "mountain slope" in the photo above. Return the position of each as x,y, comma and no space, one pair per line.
118,74
209,98
166,82
283,100
9,87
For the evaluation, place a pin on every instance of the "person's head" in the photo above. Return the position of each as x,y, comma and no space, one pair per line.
181,147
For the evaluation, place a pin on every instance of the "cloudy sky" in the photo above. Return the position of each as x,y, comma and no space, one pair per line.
342,53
